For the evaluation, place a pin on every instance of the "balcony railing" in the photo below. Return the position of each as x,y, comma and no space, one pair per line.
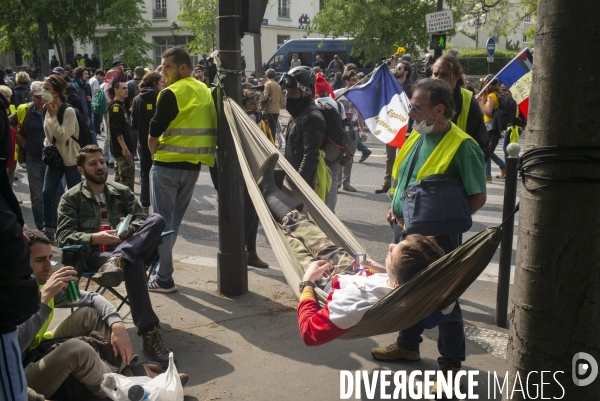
159,13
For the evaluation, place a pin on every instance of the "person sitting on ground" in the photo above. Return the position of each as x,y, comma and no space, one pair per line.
331,268
94,203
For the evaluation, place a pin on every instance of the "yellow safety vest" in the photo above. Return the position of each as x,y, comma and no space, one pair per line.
461,121
440,158
42,334
192,136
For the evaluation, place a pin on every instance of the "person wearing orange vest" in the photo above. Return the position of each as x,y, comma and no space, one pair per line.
182,137
440,147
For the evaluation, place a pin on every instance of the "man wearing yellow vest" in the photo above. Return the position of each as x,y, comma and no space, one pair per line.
75,357
441,148
182,137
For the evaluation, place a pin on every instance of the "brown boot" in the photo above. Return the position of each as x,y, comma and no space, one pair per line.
254,260
394,352
383,190
111,273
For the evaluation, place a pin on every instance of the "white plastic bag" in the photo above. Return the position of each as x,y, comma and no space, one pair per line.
164,387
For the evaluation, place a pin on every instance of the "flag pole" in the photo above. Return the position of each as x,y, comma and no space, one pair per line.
358,83
498,73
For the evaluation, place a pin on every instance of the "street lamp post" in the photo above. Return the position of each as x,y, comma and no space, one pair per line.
175,29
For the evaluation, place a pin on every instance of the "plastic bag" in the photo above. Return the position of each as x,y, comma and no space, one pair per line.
164,387
514,135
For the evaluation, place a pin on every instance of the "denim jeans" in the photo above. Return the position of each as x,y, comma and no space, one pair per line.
171,190
488,164
331,197
145,166
36,170
361,146
97,122
51,180
12,377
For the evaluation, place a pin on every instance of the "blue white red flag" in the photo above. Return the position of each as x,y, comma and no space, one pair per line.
517,78
383,105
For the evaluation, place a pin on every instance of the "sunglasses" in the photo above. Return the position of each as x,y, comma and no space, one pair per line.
104,212
415,109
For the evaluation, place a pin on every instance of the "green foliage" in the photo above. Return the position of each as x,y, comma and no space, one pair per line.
377,27
483,53
126,41
515,47
200,18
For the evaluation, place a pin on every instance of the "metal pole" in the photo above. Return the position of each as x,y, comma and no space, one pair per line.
232,269
437,53
510,197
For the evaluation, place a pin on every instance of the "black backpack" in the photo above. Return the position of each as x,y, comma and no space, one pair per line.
85,134
506,113
335,144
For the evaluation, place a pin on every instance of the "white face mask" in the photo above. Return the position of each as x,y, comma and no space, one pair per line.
47,96
423,128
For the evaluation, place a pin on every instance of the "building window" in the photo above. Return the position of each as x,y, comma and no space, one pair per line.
98,48
162,43
525,40
160,9
284,9
281,39
527,18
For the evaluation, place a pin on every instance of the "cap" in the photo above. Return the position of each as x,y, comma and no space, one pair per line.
58,70
247,85
406,57
198,67
36,88
322,86
116,63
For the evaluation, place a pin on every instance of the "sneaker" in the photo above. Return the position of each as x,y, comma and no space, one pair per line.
155,348
349,188
502,174
365,156
488,179
394,352
111,273
157,285
451,384
50,233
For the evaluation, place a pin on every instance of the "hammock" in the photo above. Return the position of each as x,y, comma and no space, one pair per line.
434,288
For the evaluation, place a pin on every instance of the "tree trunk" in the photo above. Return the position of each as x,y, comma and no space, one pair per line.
556,295
43,47
258,67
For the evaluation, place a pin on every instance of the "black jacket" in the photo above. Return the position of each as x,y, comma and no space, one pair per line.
304,138
73,95
19,293
475,126
142,112
119,126
5,138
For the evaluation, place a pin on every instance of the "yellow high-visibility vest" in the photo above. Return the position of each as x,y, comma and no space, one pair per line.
440,158
461,121
192,136
43,334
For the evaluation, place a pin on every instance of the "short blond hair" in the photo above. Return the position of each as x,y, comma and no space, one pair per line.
22,78
6,91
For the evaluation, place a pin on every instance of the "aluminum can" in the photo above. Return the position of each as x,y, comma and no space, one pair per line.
105,227
359,258
72,293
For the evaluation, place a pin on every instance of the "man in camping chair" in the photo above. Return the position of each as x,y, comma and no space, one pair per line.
94,203
351,293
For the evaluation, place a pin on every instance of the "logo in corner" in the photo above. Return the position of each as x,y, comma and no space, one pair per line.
584,364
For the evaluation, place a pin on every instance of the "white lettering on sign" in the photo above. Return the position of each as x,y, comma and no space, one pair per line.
439,21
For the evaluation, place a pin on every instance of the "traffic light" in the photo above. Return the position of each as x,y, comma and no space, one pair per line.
253,12
437,41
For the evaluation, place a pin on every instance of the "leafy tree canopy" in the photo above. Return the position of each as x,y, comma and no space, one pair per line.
200,18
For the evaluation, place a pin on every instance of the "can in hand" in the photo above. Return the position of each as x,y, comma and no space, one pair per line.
72,293
359,258
104,227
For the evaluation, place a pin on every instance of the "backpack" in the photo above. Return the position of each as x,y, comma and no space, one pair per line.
506,114
85,134
99,102
335,144
22,96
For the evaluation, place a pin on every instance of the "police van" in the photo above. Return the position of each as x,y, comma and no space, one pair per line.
307,49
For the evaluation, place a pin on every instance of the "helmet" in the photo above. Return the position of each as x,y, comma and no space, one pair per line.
302,77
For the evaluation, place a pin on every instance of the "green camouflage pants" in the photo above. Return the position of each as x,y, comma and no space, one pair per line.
310,244
124,171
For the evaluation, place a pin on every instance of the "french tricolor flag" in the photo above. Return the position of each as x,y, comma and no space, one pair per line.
517,78
383,105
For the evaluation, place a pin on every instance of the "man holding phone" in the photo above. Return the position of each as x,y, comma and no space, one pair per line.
94,203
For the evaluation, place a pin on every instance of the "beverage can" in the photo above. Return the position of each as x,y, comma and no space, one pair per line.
137,393
359,259
104,227
72,293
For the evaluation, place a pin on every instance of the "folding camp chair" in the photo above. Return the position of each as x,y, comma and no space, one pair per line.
78,249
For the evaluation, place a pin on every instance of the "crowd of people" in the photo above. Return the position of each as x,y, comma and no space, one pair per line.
166,120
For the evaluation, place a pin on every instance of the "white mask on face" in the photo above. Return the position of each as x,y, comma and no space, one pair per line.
423,128
47,96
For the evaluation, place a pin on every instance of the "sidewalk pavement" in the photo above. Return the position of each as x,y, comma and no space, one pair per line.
248,347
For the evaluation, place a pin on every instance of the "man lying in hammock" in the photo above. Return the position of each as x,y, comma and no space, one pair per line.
350,295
